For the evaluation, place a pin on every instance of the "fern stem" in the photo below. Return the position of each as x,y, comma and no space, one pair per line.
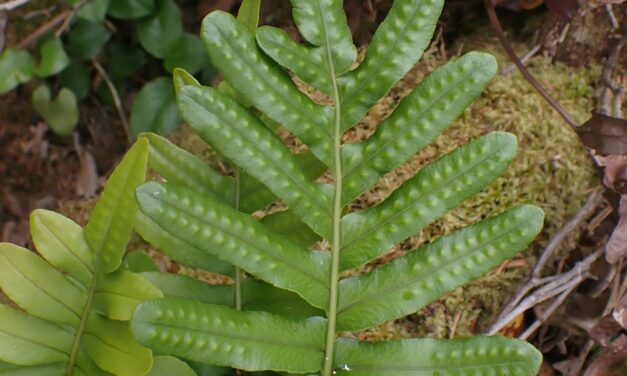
327,369
81,325
238,272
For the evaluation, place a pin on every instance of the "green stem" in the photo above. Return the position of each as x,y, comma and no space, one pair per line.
238,272
81,325
327,369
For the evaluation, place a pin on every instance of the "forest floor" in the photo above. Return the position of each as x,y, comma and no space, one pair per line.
553,170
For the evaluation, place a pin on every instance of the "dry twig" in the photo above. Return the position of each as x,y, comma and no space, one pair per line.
116,99
10,5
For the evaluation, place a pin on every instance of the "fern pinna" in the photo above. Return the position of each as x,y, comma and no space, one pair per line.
203,219
74,302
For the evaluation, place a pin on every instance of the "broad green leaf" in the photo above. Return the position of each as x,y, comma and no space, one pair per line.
154,108
256,295
240,137
396,46
39,289
323,23
182,286
94,10
86,39
223,232
436,188
61,242
112,347
248,14
178,247
409,283
166,365
26,340
16,67
186,52
118,293
223,336
53,57
54,369
427,357
181,167
77,78
307,63
158,33
139,261
290,226
130,9
419,119
111,222
124,60
61,113
181,78
233,51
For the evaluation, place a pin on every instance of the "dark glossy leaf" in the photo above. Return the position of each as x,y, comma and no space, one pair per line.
94,10
154,108
87,38
158,33
186,52
76,77
131,9
124,60
604,134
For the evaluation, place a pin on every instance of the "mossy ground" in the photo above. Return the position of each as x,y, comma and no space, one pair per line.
552,170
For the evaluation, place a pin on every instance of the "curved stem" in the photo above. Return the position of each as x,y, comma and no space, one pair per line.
327,369
496,24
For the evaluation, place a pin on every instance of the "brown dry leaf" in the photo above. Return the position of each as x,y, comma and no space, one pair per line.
605,134
613,362
605,330
616,247
565,10
87,177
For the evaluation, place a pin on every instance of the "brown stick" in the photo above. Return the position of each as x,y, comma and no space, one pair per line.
116,99
43,29
496,24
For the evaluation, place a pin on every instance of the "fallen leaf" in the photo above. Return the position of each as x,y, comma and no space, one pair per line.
613,362
565,10
87,178
616,247
605,330
604,134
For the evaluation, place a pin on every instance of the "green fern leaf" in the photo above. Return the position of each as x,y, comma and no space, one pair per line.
427,357
223,336
74,311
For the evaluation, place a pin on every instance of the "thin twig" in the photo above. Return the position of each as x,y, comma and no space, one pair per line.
43,29
535,279
557,286
594,200
500,34
70,17
549,311
610,14
116,99
524,59
10,5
